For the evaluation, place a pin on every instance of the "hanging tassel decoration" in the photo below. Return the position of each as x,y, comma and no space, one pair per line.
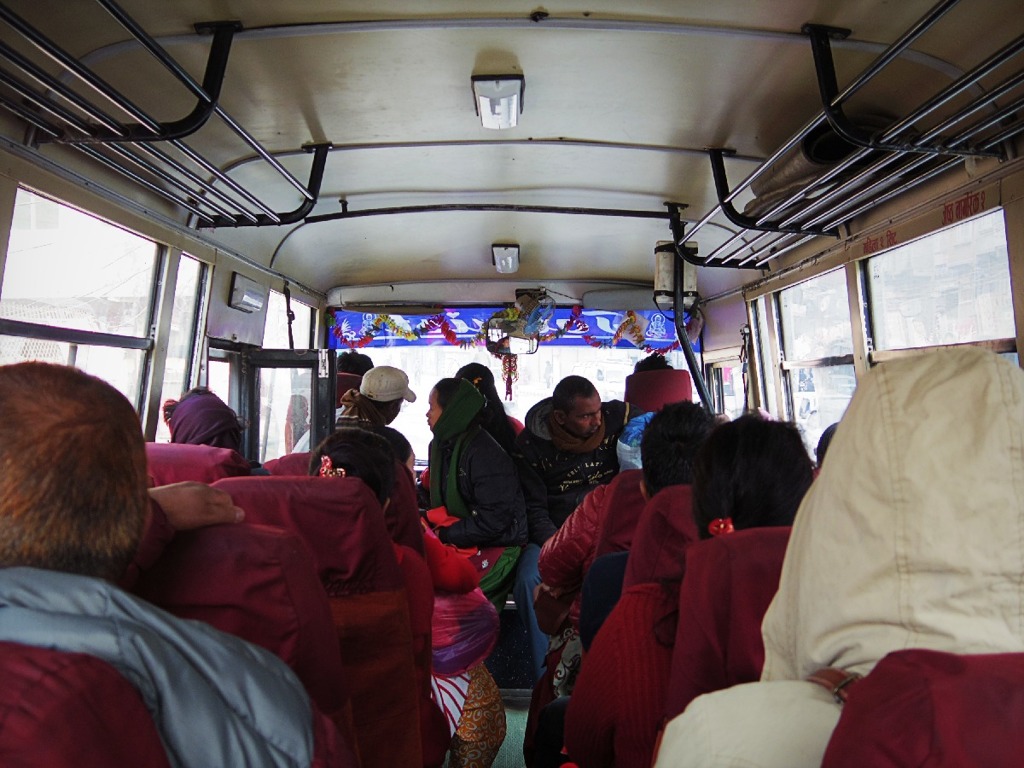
510,372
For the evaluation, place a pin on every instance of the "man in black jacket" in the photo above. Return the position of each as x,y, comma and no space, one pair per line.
566,450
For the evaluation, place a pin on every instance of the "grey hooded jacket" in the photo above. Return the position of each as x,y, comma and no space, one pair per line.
216,699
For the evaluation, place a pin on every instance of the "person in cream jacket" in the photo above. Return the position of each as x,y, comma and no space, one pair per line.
911,537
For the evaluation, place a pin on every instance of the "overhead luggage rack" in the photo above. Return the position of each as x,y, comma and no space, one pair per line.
59,114
958,122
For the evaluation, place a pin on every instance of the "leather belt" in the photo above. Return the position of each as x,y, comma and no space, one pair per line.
836,681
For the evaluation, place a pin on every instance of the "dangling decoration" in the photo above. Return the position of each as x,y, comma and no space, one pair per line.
510,372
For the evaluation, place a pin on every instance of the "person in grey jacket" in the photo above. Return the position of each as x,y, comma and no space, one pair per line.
73,505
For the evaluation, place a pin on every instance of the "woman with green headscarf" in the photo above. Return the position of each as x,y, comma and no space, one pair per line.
474,489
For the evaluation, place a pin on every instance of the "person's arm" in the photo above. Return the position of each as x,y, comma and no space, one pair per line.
535,493
564,556
178,507
451,571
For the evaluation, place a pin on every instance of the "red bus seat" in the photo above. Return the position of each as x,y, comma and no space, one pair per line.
291,464
258,583
402,515
651,390
929,708
177,462
345,382
624,505
616,706
71,710
341,522
730,581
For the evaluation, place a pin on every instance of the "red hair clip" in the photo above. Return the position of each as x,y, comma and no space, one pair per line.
327,468
720,525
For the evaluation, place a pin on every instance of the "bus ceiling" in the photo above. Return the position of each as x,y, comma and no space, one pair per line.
856,123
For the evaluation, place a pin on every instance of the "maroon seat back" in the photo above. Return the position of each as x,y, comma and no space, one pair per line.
419,588
624,505
341,522
70,710
663,534
730,581
650,390
338,518
177,462
345,382
289,465
928,708
258,583
403,513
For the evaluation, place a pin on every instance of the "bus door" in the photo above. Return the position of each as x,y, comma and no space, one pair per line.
287,400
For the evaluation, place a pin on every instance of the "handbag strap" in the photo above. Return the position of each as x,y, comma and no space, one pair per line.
836,681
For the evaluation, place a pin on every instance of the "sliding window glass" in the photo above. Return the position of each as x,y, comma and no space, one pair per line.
950,287
76,290
275,331
817,344
181,342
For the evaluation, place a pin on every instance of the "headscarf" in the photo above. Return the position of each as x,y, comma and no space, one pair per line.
455,423
202,418
913,534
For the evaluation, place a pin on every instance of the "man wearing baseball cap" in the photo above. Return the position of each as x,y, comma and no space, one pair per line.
378,400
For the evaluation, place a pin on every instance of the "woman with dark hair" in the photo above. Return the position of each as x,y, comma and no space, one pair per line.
750,473
474,489
355,452
494,419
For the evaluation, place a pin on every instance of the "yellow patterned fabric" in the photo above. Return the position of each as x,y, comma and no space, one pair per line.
481,728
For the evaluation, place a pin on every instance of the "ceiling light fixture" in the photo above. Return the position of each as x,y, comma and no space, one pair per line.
505,257
498,99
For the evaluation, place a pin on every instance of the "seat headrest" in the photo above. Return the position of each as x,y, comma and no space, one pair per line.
177,462
291,464
664,532
338,518
624,503
650,390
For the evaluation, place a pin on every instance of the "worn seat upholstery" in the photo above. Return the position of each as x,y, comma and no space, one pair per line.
177,462
71,710
341,522
934,709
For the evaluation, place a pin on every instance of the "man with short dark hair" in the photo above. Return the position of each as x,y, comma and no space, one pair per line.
73,506
568,448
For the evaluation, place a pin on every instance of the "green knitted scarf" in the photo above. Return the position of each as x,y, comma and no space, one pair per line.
455,423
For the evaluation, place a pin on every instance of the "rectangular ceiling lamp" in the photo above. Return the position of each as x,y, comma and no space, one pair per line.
505,257
498,99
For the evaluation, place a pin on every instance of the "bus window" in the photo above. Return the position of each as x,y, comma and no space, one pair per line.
949,287
275,332
817,343
177,368
762,347
72,271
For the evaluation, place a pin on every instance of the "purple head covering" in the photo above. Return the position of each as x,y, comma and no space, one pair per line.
202,418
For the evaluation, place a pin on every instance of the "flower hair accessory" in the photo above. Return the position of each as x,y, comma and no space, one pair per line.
327,468
720,526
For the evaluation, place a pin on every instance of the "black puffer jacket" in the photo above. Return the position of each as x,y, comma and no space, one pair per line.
564,477
490,486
